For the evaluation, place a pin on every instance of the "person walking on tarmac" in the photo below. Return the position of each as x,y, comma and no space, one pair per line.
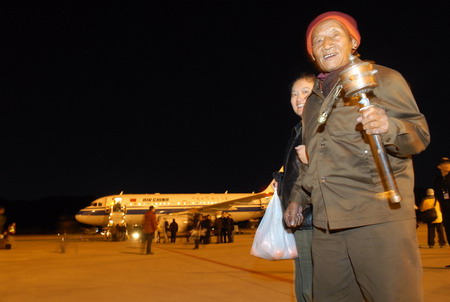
218,225
2,219
441,186
150,226
173,227
6,235
198,230
435,226
206,225
230,228
162,230
225,221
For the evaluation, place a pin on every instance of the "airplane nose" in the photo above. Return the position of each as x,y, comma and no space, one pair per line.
80,217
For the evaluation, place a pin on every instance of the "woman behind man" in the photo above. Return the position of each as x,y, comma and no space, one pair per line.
294,157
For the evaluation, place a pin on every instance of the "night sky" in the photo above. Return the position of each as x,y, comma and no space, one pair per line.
182,96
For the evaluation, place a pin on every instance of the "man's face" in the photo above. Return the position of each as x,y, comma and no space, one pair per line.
332,45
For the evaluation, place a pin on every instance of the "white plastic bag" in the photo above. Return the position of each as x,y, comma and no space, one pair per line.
272,241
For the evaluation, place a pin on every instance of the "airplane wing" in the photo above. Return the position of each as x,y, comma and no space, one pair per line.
224,206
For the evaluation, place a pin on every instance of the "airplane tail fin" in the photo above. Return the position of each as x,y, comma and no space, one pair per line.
269,188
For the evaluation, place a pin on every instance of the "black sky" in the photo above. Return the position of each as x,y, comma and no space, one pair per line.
182,96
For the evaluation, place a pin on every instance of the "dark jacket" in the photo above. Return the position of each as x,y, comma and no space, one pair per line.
173,227
206,224
218,225
342,175
230,224
287,179
441,185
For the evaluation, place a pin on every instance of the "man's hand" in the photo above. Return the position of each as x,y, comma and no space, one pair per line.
293,215
374,120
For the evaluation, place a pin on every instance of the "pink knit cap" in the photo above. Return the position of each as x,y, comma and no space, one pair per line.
345,19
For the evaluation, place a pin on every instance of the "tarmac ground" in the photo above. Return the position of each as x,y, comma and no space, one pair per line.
87,268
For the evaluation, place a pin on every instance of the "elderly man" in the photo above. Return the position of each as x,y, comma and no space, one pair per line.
364,246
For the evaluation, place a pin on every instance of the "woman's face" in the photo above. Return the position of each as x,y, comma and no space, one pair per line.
301,90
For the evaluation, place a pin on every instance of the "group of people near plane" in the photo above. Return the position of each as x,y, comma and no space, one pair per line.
224,228
203,227
164,229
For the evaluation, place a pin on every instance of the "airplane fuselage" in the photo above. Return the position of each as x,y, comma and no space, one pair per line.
129,209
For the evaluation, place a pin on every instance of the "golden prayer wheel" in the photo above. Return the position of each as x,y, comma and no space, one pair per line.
358,78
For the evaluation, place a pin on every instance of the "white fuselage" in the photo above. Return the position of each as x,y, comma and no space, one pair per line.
129,209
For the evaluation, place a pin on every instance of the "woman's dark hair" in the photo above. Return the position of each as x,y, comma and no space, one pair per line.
304,75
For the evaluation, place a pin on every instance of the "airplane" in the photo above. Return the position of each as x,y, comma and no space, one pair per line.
127,210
